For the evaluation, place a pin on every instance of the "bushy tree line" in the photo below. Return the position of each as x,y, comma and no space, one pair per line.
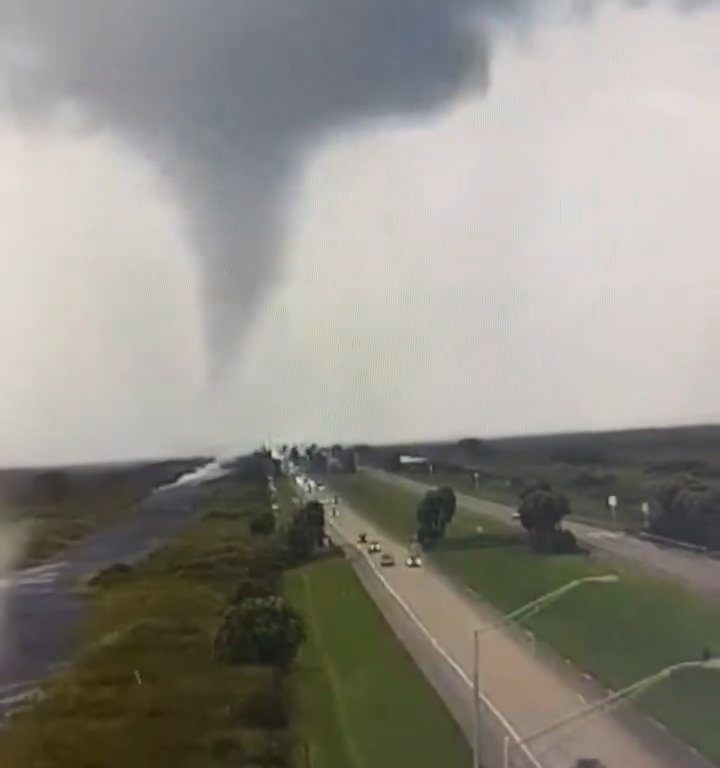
306,531
688,509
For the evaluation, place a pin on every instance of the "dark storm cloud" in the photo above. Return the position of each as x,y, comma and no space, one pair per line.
225,96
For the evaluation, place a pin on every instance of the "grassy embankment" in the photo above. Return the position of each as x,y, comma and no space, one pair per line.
160,620
619,632
360,701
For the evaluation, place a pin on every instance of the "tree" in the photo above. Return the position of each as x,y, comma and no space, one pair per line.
688,509
263,630
472,446
313,517
249,587
300,540
350,462
434,513
306,531
448,504
541,512
262,524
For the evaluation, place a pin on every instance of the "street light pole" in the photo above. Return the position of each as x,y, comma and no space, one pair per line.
614,698
476,700
529,609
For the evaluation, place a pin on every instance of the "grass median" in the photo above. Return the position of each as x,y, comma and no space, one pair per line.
619,632
362,701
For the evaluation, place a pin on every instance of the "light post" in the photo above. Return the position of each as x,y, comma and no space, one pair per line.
645,509
524,612
612,505
610,700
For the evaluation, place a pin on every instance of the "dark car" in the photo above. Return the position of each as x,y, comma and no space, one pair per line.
387,560
362,538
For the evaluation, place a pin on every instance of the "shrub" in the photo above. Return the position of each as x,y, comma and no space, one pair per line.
266,708
251,587
264,630
263,524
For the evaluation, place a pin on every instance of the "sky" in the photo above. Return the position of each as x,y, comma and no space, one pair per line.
439,225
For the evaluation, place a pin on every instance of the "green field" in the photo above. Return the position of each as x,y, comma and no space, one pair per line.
362,702
586,506
619,632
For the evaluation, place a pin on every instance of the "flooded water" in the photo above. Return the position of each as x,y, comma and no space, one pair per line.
41,614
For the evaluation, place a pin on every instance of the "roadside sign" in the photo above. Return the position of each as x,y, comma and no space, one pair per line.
612,503
645,507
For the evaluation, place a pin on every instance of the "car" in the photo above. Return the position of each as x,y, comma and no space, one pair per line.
362,538
515,515
387,560
374,547
413,561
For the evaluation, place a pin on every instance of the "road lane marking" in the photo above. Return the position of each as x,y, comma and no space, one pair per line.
446,656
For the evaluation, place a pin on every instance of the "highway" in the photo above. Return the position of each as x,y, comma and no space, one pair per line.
436,621
696,571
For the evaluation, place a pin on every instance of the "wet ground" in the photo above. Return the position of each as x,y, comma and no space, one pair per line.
42,615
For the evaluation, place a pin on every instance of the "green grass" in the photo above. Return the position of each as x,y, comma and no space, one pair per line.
189,711
619,632
362,701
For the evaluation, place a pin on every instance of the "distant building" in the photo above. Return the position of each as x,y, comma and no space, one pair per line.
414,464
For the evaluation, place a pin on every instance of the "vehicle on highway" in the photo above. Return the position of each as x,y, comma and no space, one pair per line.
362,538
374,547
515,515
413,561
387,560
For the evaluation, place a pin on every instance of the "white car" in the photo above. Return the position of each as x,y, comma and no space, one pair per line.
515,515
374,547
413,561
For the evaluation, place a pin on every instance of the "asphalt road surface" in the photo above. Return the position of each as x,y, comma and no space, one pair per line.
695,570
437,625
